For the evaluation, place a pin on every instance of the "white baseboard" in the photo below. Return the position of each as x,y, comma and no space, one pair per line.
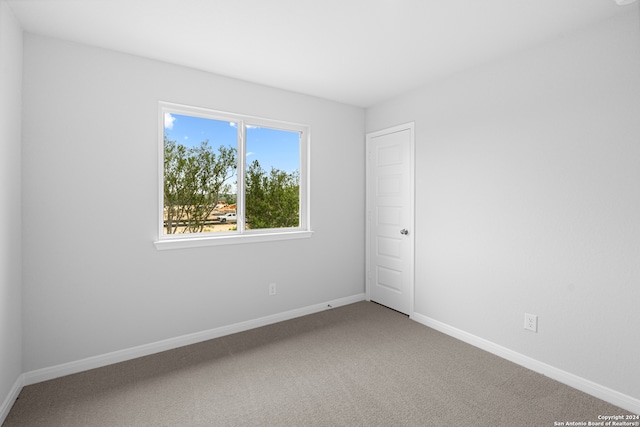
601,392
11,398
52,372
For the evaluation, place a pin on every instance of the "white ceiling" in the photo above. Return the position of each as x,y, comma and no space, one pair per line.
359,52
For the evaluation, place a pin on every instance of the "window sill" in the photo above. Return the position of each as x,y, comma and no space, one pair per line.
197,242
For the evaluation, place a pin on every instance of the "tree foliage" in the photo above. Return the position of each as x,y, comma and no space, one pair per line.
272,199
194,179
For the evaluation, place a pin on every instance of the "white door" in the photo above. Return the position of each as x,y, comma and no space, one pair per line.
390,200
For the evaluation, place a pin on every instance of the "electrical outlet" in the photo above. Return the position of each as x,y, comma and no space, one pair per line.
272,288
531,322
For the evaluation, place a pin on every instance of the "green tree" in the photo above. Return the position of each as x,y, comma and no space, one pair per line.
194,179
272,199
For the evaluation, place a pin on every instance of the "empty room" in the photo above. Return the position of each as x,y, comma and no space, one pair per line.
356,212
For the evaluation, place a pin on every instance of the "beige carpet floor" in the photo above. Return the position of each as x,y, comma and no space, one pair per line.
357,365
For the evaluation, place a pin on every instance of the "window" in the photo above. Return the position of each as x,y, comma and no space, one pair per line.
229,178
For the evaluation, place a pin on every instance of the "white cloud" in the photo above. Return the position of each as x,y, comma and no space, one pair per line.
233,125
168,121
250,153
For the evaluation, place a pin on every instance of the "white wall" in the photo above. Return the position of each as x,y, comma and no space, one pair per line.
93,281
528,200
10,213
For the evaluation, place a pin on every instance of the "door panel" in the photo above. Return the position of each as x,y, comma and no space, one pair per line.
390,218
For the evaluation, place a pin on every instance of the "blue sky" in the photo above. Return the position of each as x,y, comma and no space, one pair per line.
271,147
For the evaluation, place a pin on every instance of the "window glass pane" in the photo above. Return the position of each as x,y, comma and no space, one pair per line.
272,178
200,164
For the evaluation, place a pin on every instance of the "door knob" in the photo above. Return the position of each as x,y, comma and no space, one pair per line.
404,231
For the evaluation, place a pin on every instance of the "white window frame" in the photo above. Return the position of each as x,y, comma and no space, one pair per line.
191,240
